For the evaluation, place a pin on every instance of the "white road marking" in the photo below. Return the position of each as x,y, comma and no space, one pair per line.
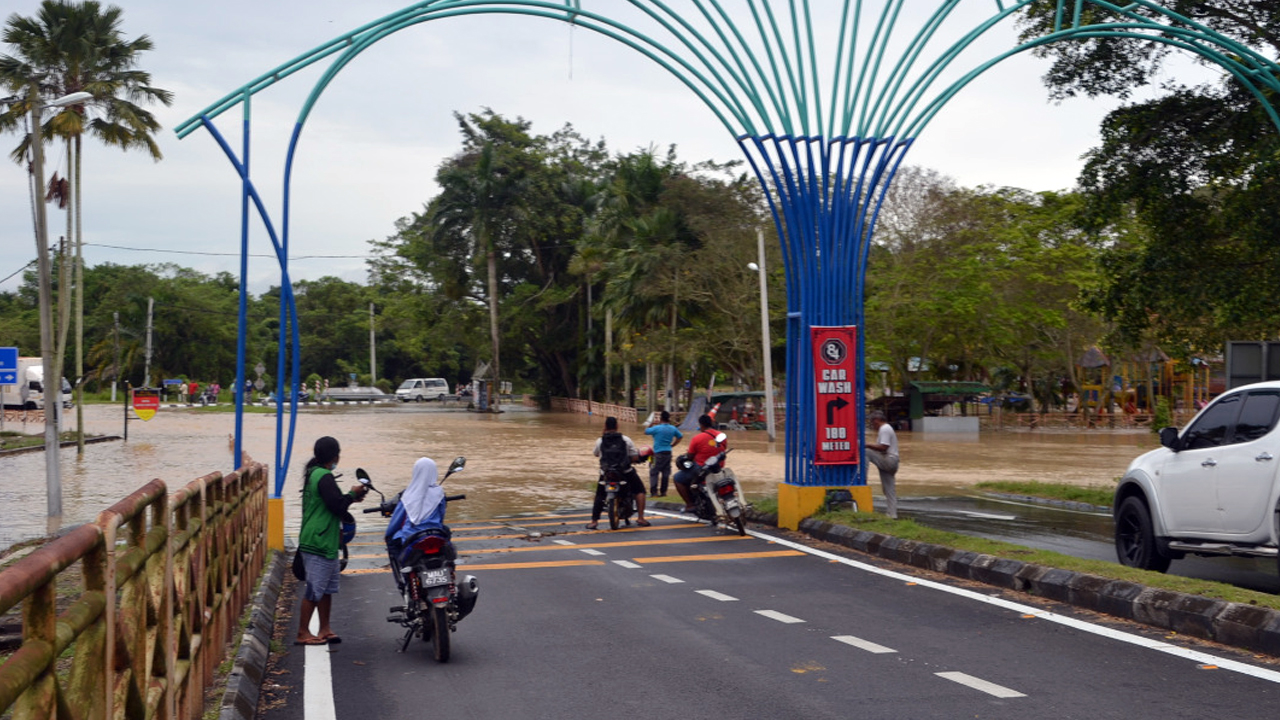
989,688
718,596
564,542
863,644
317,684
667,579
986,516
780,617
1109,633
591,551
626,564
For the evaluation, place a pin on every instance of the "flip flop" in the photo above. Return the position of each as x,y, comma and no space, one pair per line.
312,641
593,526
643,523
333,639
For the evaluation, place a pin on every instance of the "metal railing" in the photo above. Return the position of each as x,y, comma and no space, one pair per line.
139,630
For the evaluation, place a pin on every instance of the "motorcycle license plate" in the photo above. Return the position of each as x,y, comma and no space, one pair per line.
439,576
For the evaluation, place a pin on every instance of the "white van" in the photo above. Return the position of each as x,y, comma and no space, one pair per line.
419,389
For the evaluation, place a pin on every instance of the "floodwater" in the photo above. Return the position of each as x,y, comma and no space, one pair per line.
519,461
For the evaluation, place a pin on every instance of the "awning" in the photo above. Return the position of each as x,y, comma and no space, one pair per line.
948,388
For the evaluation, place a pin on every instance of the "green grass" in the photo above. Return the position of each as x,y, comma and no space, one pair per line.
1100,496
10,440
909,530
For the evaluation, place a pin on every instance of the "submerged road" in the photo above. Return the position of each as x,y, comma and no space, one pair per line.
684,621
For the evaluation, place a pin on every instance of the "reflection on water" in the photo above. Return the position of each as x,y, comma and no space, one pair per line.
519,461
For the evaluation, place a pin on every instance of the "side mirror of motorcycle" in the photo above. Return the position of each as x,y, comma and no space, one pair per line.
721,437
363,477
456,466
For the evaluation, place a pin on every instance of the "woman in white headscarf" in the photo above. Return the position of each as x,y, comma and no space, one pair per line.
422,505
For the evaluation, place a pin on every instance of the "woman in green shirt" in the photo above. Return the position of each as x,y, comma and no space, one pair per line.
323,506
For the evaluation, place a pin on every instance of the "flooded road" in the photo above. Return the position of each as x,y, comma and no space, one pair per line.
519,461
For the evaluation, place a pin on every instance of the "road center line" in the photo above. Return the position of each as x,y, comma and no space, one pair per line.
718,596
1109,633
780,617
563,542
591,551
667,579
989,688
626,564
863,644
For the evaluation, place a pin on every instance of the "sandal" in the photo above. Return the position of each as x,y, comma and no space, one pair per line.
643,523
593,526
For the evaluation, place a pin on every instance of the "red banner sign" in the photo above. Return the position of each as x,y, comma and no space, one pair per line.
835,374
146,403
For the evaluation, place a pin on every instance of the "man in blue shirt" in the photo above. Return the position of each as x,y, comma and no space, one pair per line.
665,436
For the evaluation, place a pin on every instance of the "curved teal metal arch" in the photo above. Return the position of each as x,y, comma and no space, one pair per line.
824,160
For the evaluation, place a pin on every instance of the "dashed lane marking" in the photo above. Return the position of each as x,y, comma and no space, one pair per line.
979,684
530,565
667,579
780,617
626,564
591,551
563,542
718,596
863,644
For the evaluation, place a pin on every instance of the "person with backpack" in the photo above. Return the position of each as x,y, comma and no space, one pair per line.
701,447
616,450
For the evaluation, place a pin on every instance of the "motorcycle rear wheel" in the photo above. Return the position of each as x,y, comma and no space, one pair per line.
615,507
742,527
440,632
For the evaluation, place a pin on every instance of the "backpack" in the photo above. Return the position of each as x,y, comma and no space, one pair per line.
613,451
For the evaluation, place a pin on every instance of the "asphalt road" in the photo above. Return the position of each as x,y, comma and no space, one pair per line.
683,621
1071,532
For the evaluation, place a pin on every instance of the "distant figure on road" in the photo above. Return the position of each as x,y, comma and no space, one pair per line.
883,453
665,436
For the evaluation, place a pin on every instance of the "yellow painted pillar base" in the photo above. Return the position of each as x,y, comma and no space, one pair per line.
275,523
796,502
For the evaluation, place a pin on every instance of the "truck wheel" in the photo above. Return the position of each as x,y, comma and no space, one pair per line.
1135,538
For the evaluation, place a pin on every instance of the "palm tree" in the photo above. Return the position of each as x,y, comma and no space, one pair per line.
79,47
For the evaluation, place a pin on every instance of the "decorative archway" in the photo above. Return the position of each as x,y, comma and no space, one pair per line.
824,118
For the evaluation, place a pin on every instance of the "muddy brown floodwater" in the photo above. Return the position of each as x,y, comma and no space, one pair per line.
518,461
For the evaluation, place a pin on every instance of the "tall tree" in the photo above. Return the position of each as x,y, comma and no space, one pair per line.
71,47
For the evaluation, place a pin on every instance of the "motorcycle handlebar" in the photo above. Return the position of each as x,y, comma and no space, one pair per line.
455,497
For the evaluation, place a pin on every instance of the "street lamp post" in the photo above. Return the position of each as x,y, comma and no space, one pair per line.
52,400
764,338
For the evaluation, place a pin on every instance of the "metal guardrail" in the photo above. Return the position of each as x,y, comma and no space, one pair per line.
162,581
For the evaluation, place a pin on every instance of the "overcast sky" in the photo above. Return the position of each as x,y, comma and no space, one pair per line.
372,146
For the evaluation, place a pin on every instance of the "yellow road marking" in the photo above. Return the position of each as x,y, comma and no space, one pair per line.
729,556
531,565
625,543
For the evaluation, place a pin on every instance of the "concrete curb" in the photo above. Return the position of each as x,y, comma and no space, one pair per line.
244,684
1243,626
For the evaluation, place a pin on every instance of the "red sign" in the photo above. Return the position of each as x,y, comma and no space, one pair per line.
146,403
835,376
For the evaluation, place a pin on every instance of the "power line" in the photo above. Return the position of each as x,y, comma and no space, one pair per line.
226,254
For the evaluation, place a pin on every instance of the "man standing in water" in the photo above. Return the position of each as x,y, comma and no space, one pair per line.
883,453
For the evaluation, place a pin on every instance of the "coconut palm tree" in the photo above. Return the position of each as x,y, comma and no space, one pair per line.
71,47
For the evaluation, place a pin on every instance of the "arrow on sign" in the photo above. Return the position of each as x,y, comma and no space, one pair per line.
834,405
8,377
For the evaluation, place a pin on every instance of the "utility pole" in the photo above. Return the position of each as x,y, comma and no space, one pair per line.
373,357
146,375
53,472
115,375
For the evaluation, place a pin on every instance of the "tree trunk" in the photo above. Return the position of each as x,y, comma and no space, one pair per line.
494,384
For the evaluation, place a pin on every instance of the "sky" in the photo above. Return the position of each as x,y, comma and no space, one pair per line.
373,143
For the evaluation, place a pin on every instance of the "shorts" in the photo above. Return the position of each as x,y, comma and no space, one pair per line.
322,576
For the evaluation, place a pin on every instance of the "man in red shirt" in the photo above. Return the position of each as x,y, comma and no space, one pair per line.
701,448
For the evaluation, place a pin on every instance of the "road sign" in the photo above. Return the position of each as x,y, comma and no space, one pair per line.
145,403
8,366
835,374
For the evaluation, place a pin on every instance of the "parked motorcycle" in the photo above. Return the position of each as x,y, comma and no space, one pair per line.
435,599
717,497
